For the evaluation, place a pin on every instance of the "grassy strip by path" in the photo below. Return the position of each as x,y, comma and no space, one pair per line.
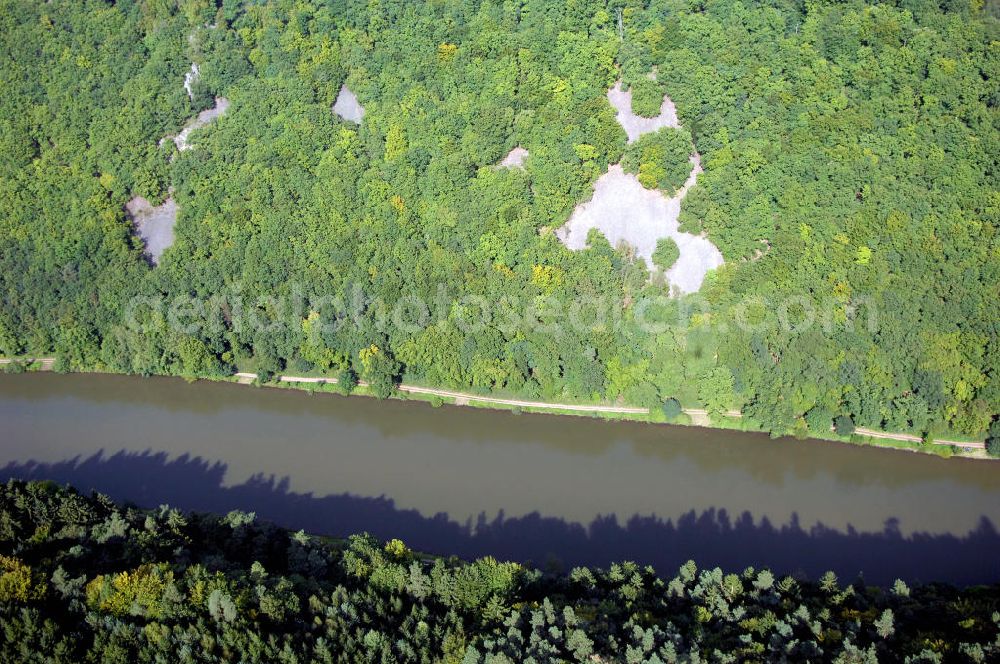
28,363
732,419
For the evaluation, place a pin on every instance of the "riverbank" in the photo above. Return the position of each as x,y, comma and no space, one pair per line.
730,420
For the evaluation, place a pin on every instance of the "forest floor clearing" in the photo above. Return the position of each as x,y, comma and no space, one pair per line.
348,107
636,125
699,416
626,212
203,119
154,224
514,159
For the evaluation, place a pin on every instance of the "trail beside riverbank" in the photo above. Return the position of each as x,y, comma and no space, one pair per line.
699,416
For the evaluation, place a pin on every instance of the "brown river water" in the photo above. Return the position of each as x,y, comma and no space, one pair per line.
553,490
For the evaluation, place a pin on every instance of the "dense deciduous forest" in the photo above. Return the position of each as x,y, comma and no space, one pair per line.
850,153
84,579
660,159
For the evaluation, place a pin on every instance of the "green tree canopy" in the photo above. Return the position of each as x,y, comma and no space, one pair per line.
666,253
661,160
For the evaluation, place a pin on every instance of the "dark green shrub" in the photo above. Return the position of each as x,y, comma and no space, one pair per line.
672,408
844,425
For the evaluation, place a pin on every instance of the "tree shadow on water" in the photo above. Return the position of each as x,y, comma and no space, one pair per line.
712,537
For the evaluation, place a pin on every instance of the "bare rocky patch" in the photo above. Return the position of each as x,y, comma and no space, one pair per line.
628,213
636,125
190,79
514,159
154,224
348,107
203,119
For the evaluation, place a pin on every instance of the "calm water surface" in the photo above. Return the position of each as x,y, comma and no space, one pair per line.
553,490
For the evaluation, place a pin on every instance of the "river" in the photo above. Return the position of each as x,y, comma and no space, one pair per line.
553,490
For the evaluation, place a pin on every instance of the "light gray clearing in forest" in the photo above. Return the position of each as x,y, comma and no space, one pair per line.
155,225
348,107
515,158
204,118
628,213
636,125
190,79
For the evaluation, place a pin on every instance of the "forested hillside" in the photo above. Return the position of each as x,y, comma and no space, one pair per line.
850,153
83,579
